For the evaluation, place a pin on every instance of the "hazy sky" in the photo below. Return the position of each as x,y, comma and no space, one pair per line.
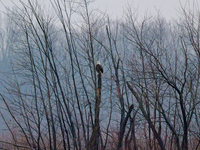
168,8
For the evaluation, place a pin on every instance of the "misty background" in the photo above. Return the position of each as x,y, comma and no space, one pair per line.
150,86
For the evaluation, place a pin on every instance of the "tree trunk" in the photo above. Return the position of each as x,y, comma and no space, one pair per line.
94,139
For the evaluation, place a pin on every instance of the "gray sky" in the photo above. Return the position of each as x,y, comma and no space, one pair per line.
168,8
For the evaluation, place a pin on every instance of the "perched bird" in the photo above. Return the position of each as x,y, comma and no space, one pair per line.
99,68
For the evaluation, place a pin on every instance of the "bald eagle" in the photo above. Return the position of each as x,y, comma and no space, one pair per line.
99,68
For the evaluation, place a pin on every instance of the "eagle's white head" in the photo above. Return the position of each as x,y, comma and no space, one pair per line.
98,62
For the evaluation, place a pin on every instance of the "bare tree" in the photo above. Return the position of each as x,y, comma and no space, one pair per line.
147,97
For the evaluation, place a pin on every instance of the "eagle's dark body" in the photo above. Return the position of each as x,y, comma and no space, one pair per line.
99,68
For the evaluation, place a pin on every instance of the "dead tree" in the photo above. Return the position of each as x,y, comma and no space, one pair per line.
94,139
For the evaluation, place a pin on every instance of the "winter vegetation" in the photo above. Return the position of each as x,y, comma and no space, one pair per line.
52,98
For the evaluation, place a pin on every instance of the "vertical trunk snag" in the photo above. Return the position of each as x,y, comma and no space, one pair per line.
94,139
